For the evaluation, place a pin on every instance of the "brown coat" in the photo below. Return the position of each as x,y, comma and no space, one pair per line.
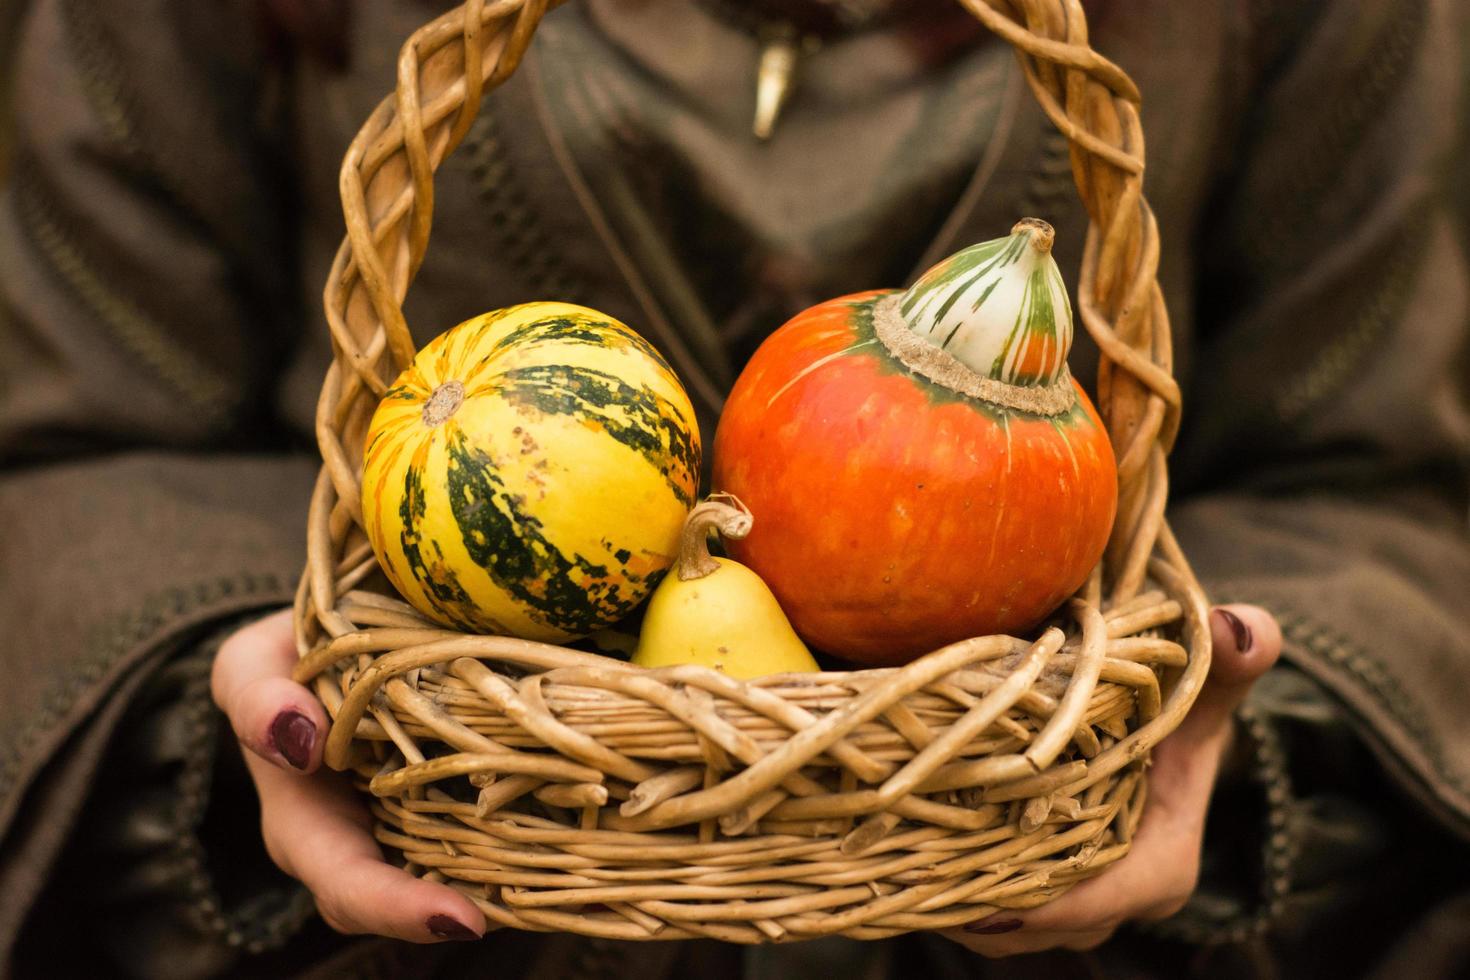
169,221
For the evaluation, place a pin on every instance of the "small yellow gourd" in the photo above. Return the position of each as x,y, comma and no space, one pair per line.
715,612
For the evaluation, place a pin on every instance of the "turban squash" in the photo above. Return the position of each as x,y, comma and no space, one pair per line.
921,465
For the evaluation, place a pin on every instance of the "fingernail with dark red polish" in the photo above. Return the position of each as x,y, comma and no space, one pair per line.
294,736
448,927
1243,638
992,926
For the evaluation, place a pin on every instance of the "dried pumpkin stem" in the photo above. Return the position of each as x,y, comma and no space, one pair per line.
1042,233
724,513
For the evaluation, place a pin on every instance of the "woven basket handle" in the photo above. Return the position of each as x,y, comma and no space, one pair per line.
444,69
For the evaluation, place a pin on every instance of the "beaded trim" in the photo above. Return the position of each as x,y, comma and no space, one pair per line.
1376,680
1278,853
121,634
512,216
1270,769
269,921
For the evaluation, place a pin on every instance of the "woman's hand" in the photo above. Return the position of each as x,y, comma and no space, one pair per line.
316,829
1159,873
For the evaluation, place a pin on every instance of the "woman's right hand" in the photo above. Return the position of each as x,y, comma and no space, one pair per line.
316,827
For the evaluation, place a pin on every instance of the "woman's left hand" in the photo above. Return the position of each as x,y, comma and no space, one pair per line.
1158,875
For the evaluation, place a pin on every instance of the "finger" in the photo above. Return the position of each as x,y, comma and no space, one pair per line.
1162,866
1246,643
1016,943
1160,869
1007,941
1085,941
273,716
318,831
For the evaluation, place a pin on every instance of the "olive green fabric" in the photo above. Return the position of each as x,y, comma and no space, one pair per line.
171,215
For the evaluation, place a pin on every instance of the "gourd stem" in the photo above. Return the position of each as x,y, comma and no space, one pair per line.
726,514
1042,233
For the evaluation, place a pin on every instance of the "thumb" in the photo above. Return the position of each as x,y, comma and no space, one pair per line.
1247,642
272,715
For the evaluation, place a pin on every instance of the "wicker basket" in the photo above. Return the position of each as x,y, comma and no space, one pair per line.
564,791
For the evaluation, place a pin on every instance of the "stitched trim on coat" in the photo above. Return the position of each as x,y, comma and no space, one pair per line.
524,244
205,391
1370,674
1332,367
1271,766
99,69
102,72
1326,146
1385,688
1278,852
273,917
117,636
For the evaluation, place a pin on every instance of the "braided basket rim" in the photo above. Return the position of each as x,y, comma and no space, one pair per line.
676,803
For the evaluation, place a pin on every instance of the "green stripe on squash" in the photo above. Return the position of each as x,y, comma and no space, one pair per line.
545,499
636,417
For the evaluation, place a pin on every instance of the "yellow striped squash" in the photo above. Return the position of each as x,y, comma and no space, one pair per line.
529,473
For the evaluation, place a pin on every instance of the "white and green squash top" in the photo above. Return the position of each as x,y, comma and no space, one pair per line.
1000,308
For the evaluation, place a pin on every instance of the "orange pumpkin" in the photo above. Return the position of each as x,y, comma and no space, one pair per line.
905,498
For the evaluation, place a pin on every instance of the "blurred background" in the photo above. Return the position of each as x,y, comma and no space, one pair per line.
12,11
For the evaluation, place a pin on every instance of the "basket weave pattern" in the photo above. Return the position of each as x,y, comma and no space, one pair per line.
561,790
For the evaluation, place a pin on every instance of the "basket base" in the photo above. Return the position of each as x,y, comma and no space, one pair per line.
533,873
